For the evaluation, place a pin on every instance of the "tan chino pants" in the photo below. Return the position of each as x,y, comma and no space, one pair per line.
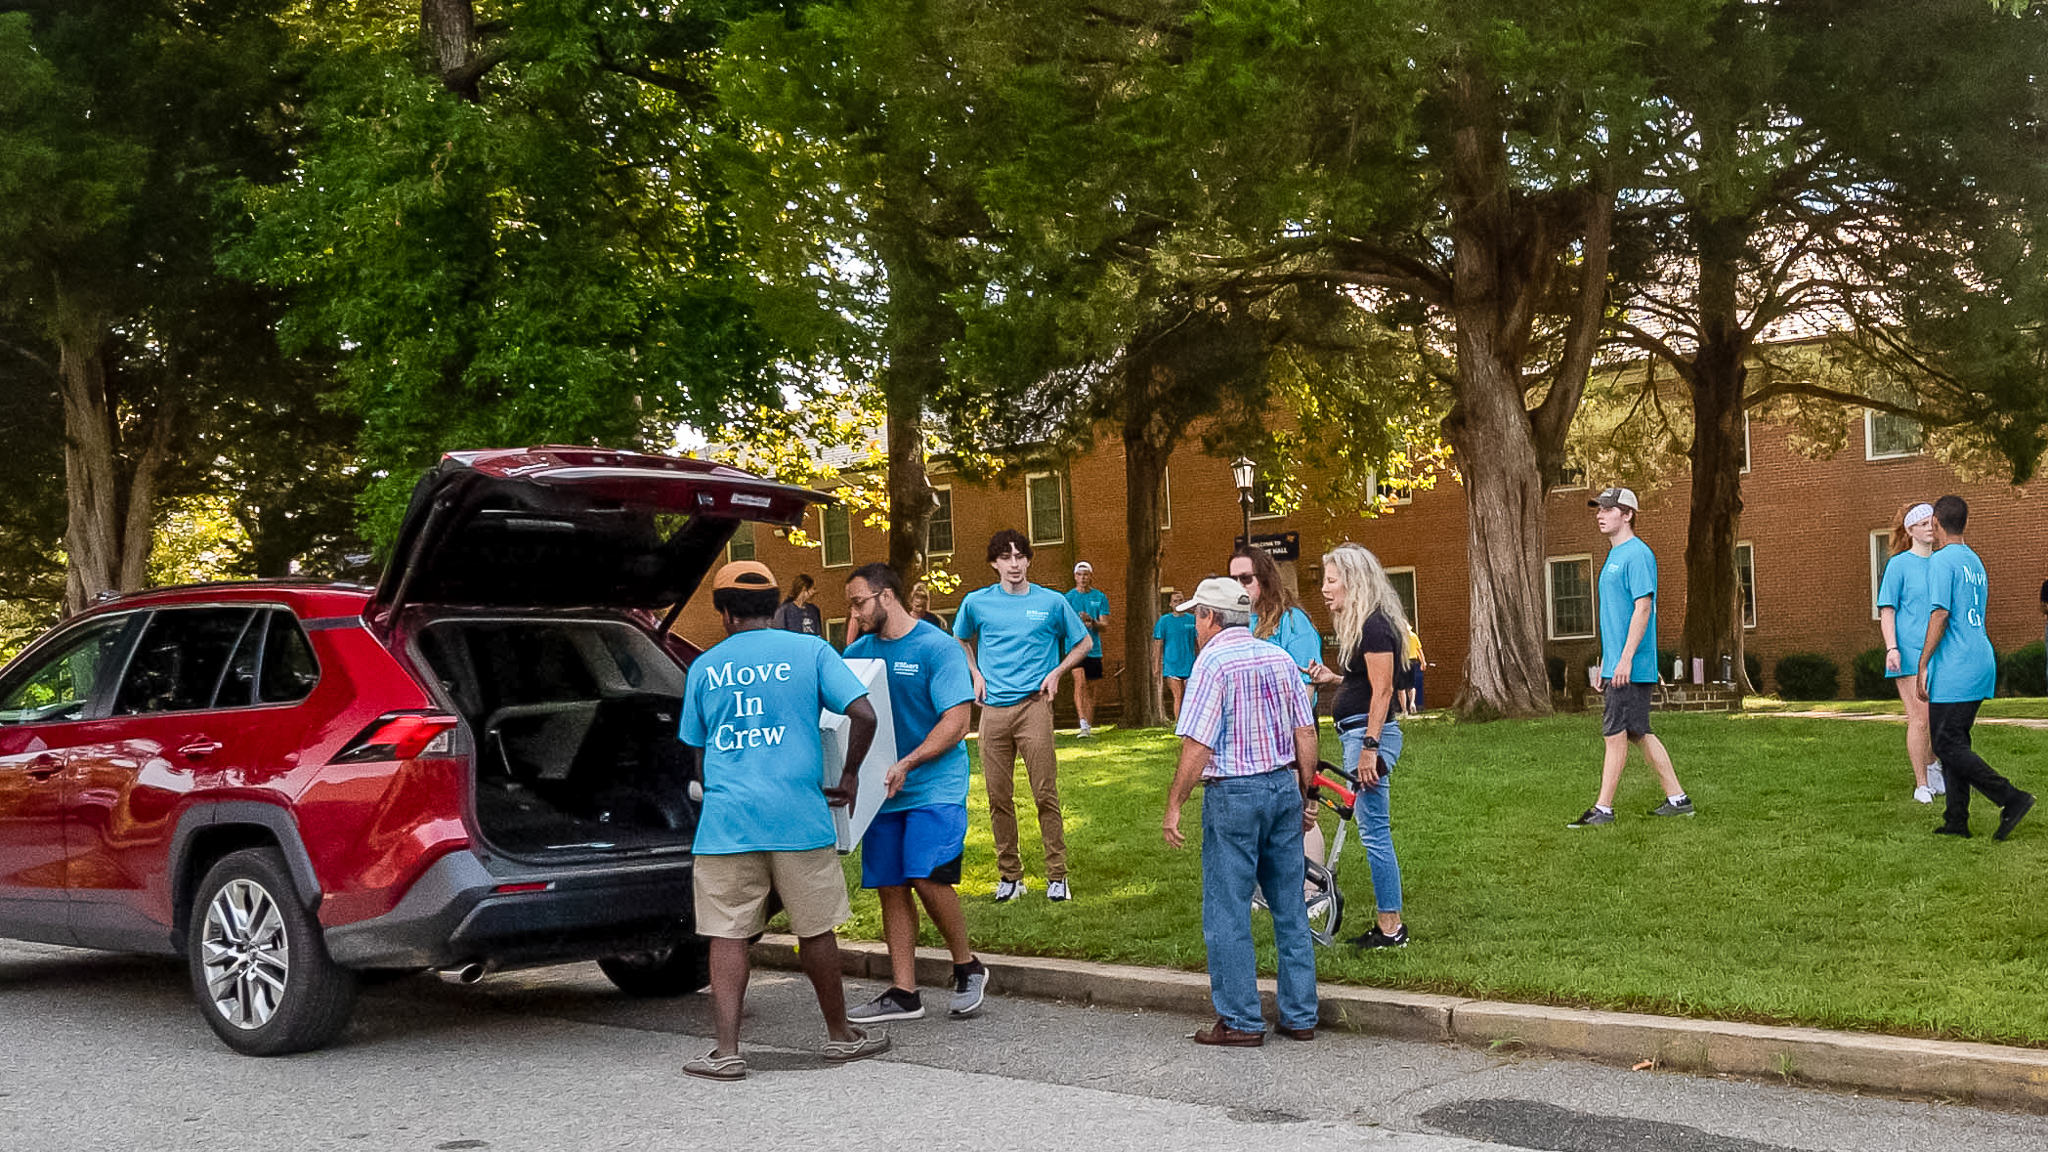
1006,733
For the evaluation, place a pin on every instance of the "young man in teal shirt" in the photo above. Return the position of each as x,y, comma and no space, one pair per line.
1091,604
1020,639
1958,672
912,851
751,704
1628,658
1173,650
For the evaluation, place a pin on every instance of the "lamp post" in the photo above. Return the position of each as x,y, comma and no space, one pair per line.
1245,471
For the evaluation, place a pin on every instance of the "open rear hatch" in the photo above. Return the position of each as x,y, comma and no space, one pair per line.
515,570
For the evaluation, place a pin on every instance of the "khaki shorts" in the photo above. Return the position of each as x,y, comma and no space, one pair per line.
732,892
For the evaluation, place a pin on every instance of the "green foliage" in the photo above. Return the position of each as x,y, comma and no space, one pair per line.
1807,676
1868,681
2024,671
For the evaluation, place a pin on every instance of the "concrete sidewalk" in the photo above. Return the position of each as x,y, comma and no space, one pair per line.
1982,1074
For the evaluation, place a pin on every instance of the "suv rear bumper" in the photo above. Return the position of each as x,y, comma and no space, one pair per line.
454,914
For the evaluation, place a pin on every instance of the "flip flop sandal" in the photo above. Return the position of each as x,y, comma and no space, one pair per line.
712,1066
863,1045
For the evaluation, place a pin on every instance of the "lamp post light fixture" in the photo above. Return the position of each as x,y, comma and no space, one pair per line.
1245,472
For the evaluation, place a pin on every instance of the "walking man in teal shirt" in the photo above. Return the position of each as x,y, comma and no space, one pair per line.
1628,658
1958,672
1091,604
1020,639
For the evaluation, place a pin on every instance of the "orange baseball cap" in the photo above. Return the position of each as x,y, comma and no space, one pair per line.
747,575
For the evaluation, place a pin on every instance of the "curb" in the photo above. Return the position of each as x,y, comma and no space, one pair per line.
1983,1074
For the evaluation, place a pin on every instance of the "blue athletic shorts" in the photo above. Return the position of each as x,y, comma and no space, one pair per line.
914,844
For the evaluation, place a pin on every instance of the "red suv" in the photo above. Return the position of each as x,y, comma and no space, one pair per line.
473,765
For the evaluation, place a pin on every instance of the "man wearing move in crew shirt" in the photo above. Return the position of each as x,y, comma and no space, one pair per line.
1020,639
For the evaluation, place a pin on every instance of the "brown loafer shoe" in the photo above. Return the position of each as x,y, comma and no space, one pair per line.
1296,1033
1223,1035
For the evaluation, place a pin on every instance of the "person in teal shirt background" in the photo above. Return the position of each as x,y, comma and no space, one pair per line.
1958,672
1902,616
1173,649
1091,604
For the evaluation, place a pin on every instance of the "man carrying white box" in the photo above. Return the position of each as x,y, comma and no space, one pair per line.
914,846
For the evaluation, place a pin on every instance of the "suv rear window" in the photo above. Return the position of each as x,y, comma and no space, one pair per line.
181,662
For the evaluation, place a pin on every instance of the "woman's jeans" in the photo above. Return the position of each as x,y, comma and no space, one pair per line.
1251,833
1375,824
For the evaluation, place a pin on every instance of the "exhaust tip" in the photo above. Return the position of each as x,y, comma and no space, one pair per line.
468,973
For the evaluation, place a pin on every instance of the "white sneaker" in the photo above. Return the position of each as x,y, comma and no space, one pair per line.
1086,732
1009,890
1057,890
1923,794
1935,782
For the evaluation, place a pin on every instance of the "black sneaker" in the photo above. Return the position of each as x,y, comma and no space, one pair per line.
895,1004
1670,807
1953,830
1592,818
1374,938
2014,813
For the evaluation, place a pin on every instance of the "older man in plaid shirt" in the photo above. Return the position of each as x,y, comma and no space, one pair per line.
1248,734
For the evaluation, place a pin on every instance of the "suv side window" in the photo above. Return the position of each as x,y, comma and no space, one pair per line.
289,669
61,686
181,662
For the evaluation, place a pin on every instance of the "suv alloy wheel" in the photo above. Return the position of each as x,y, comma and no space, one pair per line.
260,969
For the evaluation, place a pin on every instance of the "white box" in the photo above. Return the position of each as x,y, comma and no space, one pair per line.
833,730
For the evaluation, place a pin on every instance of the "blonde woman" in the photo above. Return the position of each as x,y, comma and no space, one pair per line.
1902,614
1372,633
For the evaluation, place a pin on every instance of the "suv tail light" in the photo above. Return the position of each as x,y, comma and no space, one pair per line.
400,736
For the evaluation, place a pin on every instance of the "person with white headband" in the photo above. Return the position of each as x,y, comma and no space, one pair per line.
1902,611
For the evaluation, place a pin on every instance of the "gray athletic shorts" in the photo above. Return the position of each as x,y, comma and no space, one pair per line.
1628,710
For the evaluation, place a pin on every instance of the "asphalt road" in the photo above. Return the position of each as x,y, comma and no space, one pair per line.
107,1052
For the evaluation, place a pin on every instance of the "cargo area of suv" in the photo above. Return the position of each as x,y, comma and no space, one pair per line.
574,725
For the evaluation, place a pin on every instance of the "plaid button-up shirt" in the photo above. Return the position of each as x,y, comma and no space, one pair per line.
1244,700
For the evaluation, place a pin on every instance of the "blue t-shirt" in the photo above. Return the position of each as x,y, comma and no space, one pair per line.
1093,602
1904,591
1017,639
751,703
1177,655
927,675
1296,636
1963,668
1629,574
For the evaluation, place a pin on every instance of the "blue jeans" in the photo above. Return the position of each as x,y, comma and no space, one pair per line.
1251,833
1375,822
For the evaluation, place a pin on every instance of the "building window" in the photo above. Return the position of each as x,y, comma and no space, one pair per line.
1571,597
1886,436
1265,499
1403,580
1880,554
1568,475
938,536
835,632
1165,499
1745,440
838,536
1745,571
1045,511
741,546
1388,492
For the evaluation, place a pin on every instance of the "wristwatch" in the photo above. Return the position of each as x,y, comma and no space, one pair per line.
1371,742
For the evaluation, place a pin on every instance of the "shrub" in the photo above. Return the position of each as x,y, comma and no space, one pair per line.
1664,658
1867,675
2024,673
1807,676
1754,665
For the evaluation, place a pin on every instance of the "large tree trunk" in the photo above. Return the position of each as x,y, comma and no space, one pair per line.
1508,248
921,324
448,34
1149,437
111,504
1713,590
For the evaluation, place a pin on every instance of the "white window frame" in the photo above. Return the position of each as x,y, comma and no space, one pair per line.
1550,596
953,537
841,623
1749,617
1413,622
1256,514
1031,517
747,528
1870,451
1372,491
1578,485
1880,554
1166,498
825,536
1748,459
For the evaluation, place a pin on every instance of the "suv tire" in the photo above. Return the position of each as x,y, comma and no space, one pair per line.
259,964
675,971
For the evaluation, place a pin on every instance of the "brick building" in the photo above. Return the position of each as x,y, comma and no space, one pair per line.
1813,540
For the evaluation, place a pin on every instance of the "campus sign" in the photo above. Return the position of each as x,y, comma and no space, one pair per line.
1278,545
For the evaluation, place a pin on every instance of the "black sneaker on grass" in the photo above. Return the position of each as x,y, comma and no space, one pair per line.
1592,818
1679,807
895,1004
2014,813
1374,938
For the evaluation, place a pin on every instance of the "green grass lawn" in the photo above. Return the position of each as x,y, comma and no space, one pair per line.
2012,707
1809,889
